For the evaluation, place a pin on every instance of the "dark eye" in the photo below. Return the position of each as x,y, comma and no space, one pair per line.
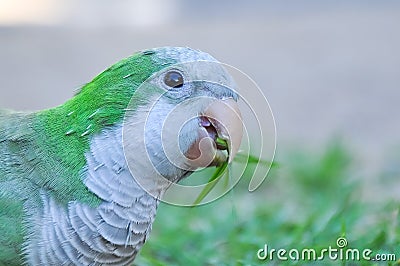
173,79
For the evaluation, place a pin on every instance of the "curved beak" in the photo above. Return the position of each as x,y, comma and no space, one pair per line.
226,118
220,134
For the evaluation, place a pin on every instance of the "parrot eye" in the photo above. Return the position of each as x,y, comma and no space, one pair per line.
173,79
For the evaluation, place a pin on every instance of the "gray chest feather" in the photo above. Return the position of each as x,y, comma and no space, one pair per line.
110,234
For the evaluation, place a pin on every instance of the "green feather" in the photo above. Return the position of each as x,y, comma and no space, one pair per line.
66,130
11,236
46,150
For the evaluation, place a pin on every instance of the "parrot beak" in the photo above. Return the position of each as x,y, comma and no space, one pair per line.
220,134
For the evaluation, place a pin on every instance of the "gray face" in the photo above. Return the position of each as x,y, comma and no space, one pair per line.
174,121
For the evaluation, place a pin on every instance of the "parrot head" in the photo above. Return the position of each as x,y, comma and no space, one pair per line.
187,117
173,109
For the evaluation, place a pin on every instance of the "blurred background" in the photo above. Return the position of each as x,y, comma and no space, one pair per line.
331,73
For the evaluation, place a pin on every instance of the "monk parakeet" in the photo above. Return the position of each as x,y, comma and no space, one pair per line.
80,183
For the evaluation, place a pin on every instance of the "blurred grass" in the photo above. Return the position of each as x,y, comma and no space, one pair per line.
308,202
